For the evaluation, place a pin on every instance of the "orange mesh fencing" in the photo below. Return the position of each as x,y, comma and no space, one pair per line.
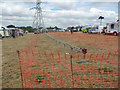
45,69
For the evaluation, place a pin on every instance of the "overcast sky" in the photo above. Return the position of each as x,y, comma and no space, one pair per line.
61,13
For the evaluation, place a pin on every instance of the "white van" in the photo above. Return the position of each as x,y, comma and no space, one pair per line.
4,33
112,29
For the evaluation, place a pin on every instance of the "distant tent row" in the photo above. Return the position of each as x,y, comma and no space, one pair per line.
8,32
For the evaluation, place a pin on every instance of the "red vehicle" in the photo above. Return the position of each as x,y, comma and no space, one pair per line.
112,29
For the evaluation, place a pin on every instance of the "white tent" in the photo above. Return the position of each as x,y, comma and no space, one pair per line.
1,27
3,32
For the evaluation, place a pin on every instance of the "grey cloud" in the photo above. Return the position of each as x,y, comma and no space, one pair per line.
63,18
13,10
103,1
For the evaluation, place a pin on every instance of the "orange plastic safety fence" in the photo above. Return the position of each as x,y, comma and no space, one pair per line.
58,70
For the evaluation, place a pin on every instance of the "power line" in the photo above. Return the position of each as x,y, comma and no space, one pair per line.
38,21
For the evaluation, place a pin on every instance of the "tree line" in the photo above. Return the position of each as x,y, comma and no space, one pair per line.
30,28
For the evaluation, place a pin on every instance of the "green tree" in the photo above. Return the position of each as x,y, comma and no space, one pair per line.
10,26
27,28
56,27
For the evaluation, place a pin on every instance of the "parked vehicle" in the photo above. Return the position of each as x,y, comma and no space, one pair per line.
61,30
75,30
17,32
36,32
20,32
112,29
93,30
84,30
4,33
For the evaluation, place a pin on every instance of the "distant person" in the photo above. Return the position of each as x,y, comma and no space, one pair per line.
13,33
0,36
26,32
21,32
71,31
80,29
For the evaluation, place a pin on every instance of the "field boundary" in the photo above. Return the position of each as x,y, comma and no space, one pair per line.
83,50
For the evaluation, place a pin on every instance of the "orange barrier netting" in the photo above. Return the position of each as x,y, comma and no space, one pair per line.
58,70
45,69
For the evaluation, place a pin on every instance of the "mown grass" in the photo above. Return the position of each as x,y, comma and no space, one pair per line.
86,74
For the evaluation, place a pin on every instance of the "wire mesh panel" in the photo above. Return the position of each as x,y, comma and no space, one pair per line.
59,70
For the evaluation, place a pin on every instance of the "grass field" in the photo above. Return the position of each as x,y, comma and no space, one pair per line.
94,43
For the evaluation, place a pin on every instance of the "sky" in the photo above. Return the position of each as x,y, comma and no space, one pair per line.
61,13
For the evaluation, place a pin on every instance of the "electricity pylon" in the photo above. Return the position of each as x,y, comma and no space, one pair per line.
38,21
